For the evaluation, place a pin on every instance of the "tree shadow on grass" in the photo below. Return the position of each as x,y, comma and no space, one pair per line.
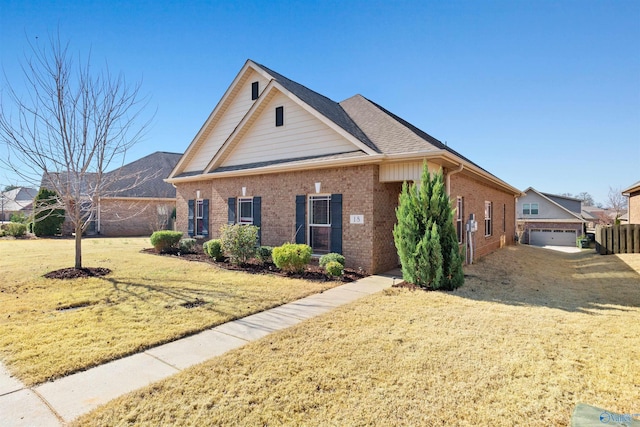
527,276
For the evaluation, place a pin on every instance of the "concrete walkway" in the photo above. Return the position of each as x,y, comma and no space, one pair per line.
61,401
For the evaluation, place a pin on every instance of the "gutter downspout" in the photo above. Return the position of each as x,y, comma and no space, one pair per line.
448,183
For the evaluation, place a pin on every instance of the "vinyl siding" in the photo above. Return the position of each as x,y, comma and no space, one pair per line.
230,118
302,135
547,210
405,171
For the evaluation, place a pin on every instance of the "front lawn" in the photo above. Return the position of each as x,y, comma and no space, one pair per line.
50,328
530,334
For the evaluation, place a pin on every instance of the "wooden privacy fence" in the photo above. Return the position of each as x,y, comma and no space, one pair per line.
618,239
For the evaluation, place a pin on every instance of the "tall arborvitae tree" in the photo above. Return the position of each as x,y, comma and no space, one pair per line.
47,217
425,235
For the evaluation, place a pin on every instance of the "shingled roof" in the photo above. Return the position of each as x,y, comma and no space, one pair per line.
325,106
141,178
158,165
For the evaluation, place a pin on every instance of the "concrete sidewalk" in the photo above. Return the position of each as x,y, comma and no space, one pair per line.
61,401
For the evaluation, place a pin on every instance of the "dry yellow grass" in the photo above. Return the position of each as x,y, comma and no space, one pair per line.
531,334
135,307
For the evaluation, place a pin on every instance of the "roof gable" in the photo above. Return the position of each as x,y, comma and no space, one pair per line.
548,209
633,189
306,133
235,108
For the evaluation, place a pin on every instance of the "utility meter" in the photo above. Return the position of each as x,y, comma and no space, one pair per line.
472,224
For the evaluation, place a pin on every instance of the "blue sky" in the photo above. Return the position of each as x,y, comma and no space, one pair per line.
540,93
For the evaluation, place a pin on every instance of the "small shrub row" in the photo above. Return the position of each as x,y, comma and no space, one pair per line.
333,264
213,248
165,240
239,242
14,229
291,257
187,246
264,254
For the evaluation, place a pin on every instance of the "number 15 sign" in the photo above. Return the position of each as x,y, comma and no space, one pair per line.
357,219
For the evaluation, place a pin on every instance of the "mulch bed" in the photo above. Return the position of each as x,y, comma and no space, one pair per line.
74,273
312,272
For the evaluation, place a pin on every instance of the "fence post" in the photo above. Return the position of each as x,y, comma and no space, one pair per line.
636,238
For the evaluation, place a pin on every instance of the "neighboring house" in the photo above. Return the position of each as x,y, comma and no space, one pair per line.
633,194
549,219
136,200
17,201
601,216
306,169
139,201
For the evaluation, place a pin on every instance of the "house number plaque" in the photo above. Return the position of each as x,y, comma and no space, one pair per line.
357,219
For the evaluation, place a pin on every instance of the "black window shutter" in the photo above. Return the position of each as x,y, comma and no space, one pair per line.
254,90
205,217
336,223
232,210
192,205
301,202
257,217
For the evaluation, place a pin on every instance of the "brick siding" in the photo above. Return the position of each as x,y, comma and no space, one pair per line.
634,208
368,246
134,217
474,194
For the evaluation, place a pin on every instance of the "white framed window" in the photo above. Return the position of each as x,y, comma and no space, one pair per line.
460,219
199,217
245,210
530,209
488,213
534,209
320,223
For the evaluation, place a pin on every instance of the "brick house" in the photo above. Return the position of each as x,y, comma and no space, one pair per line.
549,219
306,169
134,201
133,208
633,194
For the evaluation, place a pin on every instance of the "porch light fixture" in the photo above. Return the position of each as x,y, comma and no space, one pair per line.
244,191
318,187
197,194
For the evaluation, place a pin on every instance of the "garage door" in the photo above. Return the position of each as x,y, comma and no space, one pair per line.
553,237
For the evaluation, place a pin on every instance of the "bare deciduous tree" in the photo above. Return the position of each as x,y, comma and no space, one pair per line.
616,202
69,128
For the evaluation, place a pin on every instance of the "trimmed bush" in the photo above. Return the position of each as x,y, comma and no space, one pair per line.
334,268
165,240
291,257
264,253
15,229
326,259
239,242
213,248
187,246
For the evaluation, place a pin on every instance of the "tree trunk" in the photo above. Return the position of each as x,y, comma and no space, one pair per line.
78,247
78,237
